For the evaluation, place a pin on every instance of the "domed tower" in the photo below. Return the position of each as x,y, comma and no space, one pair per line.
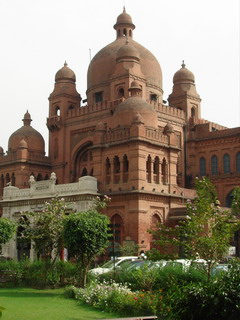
33,139
25,156
113,68
64,101
184,94
64,95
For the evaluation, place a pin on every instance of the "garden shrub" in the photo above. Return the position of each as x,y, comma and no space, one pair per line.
217,299
117,298
41,273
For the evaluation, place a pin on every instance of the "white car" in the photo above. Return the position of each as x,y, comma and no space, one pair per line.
109,266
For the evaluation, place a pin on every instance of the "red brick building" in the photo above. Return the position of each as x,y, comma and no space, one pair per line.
143,152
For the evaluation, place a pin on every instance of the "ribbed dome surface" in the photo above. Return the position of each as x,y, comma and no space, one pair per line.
65,73
126,112
103,64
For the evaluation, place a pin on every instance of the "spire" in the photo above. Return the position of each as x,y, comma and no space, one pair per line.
65,64
124,9
183,64
27,119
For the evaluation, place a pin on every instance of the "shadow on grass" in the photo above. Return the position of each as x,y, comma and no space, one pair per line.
26,293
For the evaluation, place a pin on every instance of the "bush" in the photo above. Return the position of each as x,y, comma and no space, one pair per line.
117,298
217,299
154,278
41,273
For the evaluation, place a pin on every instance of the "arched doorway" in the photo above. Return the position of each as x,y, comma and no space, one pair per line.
116,239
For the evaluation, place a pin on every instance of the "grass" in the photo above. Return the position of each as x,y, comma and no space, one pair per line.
33,304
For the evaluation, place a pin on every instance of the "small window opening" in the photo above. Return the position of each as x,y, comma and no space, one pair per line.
99,96
153,97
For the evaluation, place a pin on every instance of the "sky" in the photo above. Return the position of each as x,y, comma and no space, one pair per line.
37,37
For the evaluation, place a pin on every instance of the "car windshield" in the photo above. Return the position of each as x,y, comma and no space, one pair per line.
109,264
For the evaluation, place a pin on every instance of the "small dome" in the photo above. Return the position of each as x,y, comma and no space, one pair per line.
65,73
127,50
126,112
168,129
135,85
183,75
124,18
26,136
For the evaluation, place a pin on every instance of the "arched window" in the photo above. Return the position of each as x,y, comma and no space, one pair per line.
226,163
202,166
125,168
13,179
154,226
2,185
39,177
57,111
229,199
124,32
116,169
84,172
156,169
193,112
164,172
130,33
108,171
46,177
214,165
238,162
148,169
7,178
83,160
117,228
120,93
119,32
23,246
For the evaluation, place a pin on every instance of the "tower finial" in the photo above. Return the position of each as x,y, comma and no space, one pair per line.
124,9
183,64
65,63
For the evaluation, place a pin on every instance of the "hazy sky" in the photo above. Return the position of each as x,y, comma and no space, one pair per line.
37,36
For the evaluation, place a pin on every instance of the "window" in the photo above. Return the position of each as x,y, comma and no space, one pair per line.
148,168
153,97
125,168
202,166
214,165
156,169
164,172
108,171
124,32
193,112
226,163
120,93
116,169
57,111
99,96
238,162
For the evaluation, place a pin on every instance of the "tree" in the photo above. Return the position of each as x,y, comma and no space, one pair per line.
86,236
45,229
207,230
7,230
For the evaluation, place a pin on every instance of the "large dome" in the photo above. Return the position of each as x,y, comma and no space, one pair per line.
102,66
126,112
34,140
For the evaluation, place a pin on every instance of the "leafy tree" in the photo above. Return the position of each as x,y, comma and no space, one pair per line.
207,230
86,236
7,230
45,229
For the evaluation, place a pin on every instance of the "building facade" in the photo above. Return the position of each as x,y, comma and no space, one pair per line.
143,152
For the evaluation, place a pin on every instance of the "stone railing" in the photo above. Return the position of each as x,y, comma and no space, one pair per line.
48,188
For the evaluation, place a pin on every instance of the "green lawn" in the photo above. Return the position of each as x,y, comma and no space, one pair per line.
33,304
